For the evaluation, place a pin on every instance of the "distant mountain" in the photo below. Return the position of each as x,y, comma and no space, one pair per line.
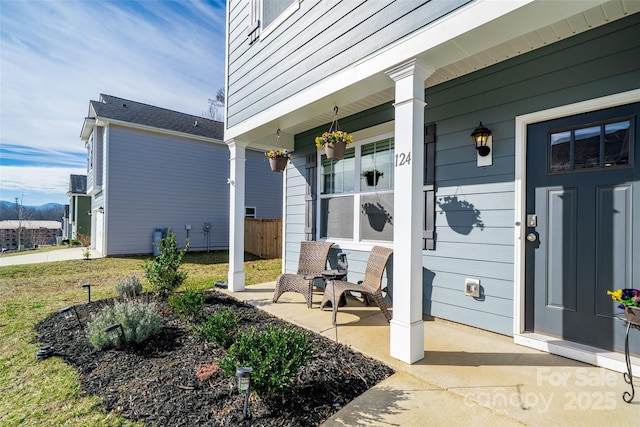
46,212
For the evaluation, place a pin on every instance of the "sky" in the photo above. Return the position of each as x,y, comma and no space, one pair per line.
56,56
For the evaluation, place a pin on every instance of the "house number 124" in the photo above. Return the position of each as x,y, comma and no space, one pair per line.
403,159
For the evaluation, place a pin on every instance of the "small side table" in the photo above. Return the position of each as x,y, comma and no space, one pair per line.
336,275
628,376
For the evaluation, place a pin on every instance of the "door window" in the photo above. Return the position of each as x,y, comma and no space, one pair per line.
591,147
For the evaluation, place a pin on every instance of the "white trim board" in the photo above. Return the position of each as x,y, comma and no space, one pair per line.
553,345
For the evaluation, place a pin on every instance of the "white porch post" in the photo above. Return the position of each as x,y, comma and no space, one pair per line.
235,279
407,329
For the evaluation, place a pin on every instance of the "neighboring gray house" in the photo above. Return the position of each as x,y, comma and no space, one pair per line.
149,168
545,224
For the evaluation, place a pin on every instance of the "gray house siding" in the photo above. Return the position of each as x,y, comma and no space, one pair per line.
312,44
475,206
161,181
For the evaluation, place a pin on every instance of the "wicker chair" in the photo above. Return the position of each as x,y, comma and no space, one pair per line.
312,261
370,286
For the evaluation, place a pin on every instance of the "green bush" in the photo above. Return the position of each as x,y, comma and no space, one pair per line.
220,327
129,287
139,321
275,354
163,272
187,304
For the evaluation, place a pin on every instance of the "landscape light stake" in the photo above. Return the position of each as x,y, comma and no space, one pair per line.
87,287
68,313
244,386
123,338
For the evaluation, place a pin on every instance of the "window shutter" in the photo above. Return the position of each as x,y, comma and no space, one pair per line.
310,197
429,234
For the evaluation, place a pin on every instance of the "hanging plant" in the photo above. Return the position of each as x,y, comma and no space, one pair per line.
334,141
278,159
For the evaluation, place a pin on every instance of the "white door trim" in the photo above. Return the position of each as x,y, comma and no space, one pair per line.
568,349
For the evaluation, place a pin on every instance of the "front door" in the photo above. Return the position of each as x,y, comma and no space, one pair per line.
583,224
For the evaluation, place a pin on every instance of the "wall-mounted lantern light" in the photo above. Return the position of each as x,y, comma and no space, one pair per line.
101,209
244,386
69,312
480,136
87,287
123,338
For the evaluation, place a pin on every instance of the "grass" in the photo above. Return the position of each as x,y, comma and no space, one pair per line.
46,393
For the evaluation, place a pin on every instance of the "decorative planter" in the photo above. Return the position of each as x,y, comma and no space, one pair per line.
372,177
278,164
633,315
335,150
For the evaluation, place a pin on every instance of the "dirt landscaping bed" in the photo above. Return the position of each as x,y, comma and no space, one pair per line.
156,383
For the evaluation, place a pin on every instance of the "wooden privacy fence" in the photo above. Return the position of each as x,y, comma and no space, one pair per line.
263,237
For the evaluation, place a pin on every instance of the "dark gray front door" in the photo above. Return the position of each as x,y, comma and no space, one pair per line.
583,224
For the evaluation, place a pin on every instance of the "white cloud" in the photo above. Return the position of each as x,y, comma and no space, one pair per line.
56,56
35,183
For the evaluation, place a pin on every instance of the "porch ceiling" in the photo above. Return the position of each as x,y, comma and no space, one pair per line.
523,30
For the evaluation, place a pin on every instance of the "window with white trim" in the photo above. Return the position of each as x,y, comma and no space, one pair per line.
265,15
356,193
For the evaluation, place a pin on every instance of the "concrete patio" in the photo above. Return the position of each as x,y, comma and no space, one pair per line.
467,377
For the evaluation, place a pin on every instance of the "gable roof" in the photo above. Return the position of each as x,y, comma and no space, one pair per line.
77,184
123,110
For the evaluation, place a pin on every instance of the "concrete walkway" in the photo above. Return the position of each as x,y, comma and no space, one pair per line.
467,377
46,256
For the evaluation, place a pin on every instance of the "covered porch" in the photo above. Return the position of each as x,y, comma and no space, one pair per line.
486,377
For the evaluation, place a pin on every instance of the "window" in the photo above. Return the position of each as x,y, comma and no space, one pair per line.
591,147
265,15
356,193
90,153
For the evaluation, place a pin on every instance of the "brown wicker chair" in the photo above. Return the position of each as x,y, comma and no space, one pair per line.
312,261
370,286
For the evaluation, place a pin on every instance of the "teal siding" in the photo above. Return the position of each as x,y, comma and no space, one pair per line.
475,229
475,206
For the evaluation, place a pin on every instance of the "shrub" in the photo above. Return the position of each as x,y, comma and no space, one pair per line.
187,304
220,327
275,354
139,321
163,271
129,287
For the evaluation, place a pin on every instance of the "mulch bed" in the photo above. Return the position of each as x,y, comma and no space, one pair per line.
155,382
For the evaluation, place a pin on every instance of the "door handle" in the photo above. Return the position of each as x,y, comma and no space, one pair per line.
532,237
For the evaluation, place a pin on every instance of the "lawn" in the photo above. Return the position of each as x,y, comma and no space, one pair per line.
47,392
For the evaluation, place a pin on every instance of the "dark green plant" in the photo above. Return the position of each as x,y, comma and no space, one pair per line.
187,304
163,272
220,327
275,354
139,321
129,287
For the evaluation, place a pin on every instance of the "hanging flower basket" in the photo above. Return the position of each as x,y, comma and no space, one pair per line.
278,159
278,164
372,177
334,141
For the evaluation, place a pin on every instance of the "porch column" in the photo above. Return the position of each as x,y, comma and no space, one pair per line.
235,278
407,329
